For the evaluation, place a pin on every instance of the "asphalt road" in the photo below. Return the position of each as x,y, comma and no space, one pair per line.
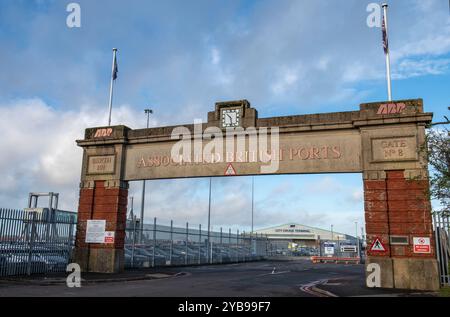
257,279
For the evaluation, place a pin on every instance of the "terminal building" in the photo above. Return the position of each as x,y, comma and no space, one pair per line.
295,236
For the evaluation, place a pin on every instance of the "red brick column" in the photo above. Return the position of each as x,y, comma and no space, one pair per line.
376,215
397,207
102,203
409,210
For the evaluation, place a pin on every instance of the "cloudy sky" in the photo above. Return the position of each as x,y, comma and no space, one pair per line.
180,57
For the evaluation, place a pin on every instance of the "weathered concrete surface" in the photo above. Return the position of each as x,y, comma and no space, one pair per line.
106,260
417,274
300,153
385,263
100,260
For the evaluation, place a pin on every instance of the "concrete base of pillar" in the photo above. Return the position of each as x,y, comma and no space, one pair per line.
407,273
416,274
100,260
386,274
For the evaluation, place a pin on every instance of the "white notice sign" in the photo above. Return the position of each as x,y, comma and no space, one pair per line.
95,231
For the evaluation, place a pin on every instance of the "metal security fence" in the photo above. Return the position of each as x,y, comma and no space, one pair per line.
166,244
442,237
35,241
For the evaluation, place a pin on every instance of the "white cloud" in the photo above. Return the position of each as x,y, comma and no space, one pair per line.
215,56
39,149
286,78
408,68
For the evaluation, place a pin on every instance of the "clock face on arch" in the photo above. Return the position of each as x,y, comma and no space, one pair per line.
231,118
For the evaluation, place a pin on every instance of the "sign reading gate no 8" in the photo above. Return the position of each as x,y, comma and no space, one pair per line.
421,245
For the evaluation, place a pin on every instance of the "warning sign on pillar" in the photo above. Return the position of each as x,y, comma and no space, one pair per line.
421,245
109,237
230,170
377,246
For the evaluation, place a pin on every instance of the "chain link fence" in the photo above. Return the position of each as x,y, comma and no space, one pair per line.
163,244
35,242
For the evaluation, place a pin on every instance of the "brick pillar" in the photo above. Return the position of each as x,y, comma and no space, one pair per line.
103,200
397,206
409,213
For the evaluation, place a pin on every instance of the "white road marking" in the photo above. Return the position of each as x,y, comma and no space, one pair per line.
311,289
276,273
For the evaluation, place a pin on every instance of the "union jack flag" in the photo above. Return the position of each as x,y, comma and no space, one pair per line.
115,70
385,37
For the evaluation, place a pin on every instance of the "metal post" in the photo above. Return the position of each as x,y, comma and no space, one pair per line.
436,239
253,197
134,241
221,246
211,253
147,112
357,239
237,245
171,242
131,208
187,239
199,243
271,249
446,228
339,247
154,241
33,234
111,85
54,228
141,224
244,251
48,218
332,236
229,243
69,241
209,217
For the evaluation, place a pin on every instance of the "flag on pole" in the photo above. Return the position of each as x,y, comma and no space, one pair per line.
384,30
115,69
113,77
385,36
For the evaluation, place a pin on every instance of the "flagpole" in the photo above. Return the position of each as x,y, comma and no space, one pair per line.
111,86
388,61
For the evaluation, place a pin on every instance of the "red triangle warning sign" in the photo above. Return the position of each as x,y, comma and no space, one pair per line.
377,246
230,170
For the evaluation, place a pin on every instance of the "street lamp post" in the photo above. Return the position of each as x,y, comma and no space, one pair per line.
208,251
357,240
332,236
147,112
253,199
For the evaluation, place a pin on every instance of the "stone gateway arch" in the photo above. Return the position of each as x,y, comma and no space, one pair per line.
384,141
